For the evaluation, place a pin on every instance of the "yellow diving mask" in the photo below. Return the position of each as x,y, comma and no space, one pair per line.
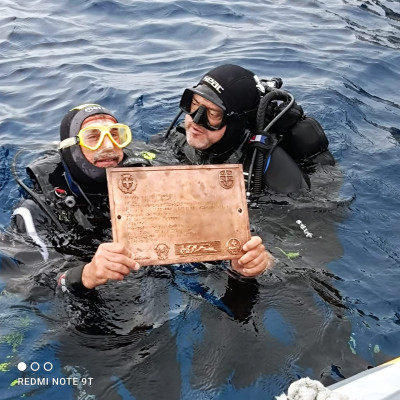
92,136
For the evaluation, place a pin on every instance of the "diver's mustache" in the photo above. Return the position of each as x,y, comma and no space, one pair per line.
105,155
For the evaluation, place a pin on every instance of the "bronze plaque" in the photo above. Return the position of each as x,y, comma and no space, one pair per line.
179,214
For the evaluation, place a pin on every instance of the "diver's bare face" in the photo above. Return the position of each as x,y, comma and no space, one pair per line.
107,155
197,136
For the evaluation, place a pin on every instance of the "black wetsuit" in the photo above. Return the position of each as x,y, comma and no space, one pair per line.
281,173
84,228
63,221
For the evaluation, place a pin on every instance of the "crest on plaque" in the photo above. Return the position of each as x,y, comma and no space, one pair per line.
234,246
126,183
226,178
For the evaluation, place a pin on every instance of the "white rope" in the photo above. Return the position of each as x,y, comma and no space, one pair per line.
307,389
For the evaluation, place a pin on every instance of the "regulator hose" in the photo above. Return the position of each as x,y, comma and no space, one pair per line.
260,159
258,172
173,123
34,196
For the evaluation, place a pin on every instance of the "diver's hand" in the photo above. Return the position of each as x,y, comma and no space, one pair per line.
112,261
256,259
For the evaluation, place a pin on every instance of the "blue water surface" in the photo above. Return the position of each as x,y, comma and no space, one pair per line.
328,313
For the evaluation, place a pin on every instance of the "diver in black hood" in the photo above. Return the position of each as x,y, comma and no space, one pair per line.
70,193
234,117
86,163
68,204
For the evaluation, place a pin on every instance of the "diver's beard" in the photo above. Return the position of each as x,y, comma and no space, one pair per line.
196,136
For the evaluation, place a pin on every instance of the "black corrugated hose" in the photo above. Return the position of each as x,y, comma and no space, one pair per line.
263,151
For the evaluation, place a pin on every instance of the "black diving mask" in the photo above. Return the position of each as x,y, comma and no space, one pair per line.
211,117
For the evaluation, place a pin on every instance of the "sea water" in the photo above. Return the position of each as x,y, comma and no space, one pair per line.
330,307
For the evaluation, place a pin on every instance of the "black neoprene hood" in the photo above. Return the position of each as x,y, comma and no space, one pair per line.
232,85
92,179
234,89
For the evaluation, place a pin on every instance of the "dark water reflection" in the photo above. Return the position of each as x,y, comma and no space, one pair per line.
330,306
